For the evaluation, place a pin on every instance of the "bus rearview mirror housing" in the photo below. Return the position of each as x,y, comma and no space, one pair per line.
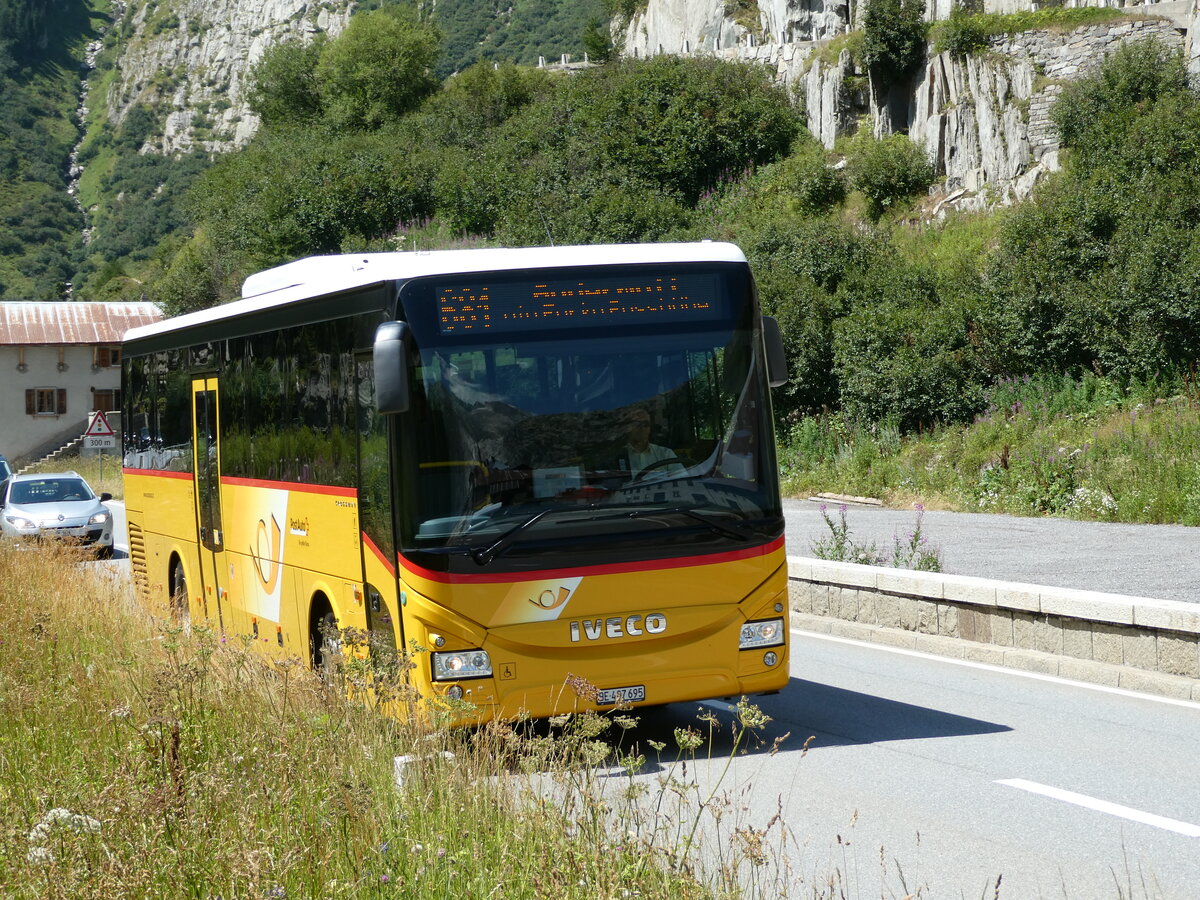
392,356
777,367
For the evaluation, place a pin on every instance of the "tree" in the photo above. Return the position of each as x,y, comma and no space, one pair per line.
893,39
888,170
284,87
597,41
379,68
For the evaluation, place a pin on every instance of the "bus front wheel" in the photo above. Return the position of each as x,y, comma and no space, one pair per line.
325,640
180,611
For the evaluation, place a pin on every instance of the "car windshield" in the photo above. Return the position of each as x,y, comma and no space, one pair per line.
49,490
645,432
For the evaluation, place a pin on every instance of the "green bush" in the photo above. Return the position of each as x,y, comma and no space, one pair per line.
284,87
1138,73
961,34
894,39
903,355
888,170
379,68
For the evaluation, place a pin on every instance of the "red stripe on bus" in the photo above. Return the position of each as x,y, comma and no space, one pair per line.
650,565
379,554
291,486
158,473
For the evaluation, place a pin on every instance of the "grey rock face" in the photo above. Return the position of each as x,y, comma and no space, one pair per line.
983,119
193,56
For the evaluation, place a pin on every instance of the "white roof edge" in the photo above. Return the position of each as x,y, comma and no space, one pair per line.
317,275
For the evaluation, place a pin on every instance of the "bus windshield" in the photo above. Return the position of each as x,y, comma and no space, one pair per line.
586,427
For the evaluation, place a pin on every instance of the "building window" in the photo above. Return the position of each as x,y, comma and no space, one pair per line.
106,357
106,399
46,402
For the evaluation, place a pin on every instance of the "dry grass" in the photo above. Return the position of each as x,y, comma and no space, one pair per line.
142,761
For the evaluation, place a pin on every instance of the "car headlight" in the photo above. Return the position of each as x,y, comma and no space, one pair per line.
761,634
461,664
99,518
20,523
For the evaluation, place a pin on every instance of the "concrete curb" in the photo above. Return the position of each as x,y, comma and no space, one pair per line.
1138,643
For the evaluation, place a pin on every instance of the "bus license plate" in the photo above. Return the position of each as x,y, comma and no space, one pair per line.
632,694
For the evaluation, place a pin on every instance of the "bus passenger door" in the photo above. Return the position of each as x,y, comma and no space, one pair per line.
375,496
208,498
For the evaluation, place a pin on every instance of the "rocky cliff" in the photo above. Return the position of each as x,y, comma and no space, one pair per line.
983,119
188,59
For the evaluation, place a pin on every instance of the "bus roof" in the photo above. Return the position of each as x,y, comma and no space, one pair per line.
315,276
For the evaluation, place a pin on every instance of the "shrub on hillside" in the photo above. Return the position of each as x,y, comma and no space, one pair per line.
1100,270
894,39
888,170
903,355
379,68
961,34
1135,74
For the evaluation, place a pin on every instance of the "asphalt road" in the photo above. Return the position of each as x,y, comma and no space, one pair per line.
1161,561
944,777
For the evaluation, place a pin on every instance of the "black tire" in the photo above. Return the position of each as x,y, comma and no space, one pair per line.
326,646
180,610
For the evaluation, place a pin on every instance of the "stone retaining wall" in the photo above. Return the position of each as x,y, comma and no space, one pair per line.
1135,642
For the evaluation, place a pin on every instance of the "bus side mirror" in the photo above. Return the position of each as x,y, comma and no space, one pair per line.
777,369
391,357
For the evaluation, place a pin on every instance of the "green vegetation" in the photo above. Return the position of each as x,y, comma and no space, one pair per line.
39,224
517,32
894,39
1087,448
145,760
966,31
515,155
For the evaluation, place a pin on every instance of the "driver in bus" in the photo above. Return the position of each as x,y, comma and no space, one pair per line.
640,454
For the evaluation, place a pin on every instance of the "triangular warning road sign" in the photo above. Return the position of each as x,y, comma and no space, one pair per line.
99,427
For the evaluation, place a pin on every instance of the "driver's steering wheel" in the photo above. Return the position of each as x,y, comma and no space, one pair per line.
660,463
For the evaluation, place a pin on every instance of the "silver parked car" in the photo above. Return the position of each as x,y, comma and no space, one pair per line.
58,506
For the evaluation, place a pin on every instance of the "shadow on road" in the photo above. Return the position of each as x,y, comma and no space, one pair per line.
833,717
838,717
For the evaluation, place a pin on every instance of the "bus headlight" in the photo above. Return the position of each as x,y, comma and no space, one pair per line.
461,664
761,634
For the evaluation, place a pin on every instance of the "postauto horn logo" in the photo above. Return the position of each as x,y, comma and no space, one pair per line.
618,627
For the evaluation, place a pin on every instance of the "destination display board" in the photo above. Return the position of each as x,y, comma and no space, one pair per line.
495,306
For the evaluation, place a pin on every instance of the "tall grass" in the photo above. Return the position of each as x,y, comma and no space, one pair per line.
140,760
1085,448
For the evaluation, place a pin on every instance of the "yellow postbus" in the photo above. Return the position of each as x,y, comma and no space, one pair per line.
541,465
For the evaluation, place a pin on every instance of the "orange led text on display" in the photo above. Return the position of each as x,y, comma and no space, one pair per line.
474,309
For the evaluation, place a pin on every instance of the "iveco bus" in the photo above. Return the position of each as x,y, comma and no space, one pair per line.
542,465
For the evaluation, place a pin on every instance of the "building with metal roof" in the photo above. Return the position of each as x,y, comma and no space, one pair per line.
59,362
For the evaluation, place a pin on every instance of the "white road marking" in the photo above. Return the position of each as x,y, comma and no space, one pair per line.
1003,670
1112,809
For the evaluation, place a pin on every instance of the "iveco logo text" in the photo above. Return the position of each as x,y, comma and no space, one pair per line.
617,627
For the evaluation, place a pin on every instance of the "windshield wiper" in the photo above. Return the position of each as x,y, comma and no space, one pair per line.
737,531
484,555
